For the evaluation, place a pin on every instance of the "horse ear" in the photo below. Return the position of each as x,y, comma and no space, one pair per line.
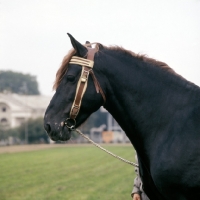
88,44
80,49
100,46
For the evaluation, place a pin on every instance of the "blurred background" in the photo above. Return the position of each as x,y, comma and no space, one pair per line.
33,42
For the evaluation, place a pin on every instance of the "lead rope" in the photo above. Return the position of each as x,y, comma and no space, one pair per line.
97,145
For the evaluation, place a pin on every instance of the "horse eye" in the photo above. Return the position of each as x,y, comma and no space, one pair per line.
70,78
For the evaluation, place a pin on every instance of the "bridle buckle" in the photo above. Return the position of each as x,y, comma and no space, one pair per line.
85,75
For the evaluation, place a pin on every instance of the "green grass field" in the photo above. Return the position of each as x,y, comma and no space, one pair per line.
69,172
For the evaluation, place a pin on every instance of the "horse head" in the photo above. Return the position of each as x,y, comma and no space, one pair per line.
158,110
78,92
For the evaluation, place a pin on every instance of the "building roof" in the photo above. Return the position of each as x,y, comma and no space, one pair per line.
26,102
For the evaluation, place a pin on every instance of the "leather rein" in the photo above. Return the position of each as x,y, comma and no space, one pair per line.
87,69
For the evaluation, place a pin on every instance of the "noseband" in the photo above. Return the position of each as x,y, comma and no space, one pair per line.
87,66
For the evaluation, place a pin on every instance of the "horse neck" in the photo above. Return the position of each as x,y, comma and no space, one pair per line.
142,98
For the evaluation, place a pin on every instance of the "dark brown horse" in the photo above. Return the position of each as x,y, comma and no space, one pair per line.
158,110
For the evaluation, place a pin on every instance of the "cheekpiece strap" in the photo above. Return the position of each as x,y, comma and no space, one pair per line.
87,65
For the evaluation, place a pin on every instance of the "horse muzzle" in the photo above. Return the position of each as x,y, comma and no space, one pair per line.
59,133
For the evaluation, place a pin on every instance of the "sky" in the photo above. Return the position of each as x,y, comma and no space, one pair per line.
33,35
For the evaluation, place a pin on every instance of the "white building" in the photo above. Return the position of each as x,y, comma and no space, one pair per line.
15,109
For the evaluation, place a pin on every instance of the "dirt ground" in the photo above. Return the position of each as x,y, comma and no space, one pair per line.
34,147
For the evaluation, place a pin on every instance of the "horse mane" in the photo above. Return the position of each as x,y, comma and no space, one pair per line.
142,57
63,68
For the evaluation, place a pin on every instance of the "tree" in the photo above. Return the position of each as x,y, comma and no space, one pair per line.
36,132
19,83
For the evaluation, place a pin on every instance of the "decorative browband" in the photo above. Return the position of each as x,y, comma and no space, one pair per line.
81,61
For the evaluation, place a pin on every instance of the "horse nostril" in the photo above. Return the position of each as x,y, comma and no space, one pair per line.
47,128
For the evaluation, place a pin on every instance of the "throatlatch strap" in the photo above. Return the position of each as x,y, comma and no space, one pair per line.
90,56
97,86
